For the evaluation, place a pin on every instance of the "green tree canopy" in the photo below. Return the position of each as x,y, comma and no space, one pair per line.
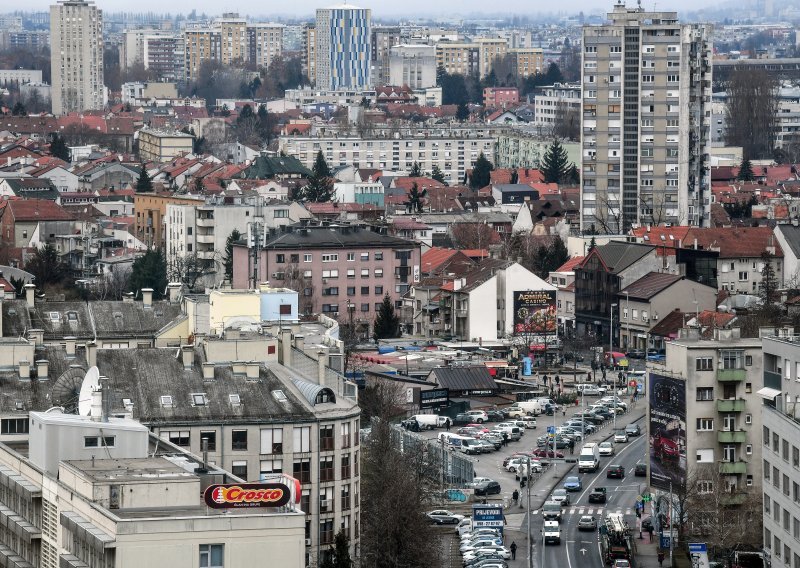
339,556
438,174
555,163
144,183
228,259
320,167
387,324
47,266
481,173
745,171
58,147
149,271
416,170
415,197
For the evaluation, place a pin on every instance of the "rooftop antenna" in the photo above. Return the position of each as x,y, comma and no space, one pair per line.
91,382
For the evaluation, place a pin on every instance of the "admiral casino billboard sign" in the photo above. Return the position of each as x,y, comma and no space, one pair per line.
535,311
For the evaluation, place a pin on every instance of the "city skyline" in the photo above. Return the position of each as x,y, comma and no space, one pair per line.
413,8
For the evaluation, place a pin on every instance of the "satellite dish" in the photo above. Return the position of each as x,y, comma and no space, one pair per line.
91,382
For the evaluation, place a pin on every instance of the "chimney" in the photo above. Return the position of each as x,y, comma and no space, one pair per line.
253,370
239,367
286,347
127,297
322,361
147,298
299,341
42,368
69,345
2,298
187,356
208,371
30,292
91,353
37,336
96,410
174,292
24,370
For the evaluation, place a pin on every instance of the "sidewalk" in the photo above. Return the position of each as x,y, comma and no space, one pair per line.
647,551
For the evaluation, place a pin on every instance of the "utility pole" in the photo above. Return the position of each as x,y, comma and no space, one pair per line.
671,522
530,519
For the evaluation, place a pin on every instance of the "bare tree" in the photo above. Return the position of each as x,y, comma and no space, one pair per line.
567,123
190,269
751,112
111,286
472,235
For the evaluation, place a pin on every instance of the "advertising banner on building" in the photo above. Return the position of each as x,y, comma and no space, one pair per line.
434,398
245,495
535,311
667,415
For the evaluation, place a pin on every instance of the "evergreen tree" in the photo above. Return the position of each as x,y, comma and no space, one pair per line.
46,266
144,183
554,163
592,243
339,556
514,176
416,171
387,324
462,112
769,283
438,174
573,176
228,259
415,196
58,147
553,74
319,188
481,173
19,110
149,271
320,167
746,171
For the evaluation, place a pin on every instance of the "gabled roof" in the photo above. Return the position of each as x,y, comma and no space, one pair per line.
669,324
525,175
335,238
265,167
436,258
650,285
33,187
570,265
735,242
478,274
617,255
37,210
792,236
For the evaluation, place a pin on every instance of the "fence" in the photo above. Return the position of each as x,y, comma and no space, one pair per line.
454,469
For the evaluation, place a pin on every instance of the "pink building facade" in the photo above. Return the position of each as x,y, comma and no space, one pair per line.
500,97
332,267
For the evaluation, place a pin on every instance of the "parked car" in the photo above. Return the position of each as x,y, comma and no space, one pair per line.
476,480
496,552
480,532
573,356
598,495
606,449
478,416
495,416
560,496
487,447
587,523
480,543
487,488
462,419
636,354
479,428
444,517
573,483
530,422
640,470
615,470
620,437
542,453
633,430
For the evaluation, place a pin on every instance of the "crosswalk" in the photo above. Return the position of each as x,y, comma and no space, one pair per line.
599,511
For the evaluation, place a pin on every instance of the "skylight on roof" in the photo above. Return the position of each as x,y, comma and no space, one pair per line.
55,316
279,395
235,399
166,401
198,399
663,238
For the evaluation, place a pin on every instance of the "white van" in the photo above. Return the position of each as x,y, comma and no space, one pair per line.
590,390
430,421
529,407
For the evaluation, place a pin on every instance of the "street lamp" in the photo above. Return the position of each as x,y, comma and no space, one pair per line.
627,319
611,330
611,358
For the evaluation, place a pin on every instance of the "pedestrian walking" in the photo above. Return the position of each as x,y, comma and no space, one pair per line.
660,557
564,410
447,424
515,496
571,447
650,532
505,439
513,548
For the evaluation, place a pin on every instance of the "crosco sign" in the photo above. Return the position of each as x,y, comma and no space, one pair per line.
240,495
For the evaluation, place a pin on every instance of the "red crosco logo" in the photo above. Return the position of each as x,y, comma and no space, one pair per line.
247,495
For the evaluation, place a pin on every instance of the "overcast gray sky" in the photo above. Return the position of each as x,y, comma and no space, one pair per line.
448,8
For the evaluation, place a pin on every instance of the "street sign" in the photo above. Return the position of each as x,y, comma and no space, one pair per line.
698,552
646,497
490,516
664,544
551,429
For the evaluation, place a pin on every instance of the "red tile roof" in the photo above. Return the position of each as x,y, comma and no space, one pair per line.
734,242
476,254
406,183
37,210
526,175
435,257
408,223
709,318
570,265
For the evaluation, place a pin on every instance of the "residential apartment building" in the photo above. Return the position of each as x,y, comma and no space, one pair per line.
524,149
165,55
563,278
163,145
382,41
310,52
453,150
233,35
489,50
200,44
554,103
413,66
528,60
151,213
343,51
332,267
20,77
132,46
780,412
76,63
646,121
500,97
265,43
704,417
461,58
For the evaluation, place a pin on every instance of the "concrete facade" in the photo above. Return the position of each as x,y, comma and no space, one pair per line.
162,146
413,66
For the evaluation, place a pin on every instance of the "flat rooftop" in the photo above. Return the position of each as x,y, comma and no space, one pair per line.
131,469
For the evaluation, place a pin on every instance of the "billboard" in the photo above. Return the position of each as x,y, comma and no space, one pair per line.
667,431
488,516
434,398
245,495
535,311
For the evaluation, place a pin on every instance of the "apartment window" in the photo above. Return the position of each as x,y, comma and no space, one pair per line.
345,431
177,437
767,539
212,555
345,497
786,520
704,486
705,393
14,426
326,500
294,258
732,359
351,256
272,440
378,290
326,438
210,439
379,273
796,491
307,258
767,504
330,273
301,439
99,441
365,273
776,442
766,470
776,478
378,256
364,256
703,364
301,469
346,466
776,545
365,290
239,468
785,484
271,467
765,434
705,424
785,450
330,258
351,290
280,258
364,307
326,470
351,272
795,456
307,274
326,531
239,440
748,449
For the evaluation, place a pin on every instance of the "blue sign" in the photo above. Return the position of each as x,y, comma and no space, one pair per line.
490,516
551,429
526,366
697,548
664,544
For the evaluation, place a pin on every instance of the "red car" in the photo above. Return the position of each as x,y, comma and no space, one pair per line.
518,455
664,447
542,453
479,427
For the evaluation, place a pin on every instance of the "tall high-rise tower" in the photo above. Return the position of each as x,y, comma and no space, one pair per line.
646,121
343,47
76,60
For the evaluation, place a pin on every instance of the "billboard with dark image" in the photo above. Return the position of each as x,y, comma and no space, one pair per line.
667,430
535,311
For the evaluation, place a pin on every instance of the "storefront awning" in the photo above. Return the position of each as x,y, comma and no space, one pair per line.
768,393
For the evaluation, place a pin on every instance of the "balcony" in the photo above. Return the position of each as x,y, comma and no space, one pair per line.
733,499
731,375
733,468
205,222
205,239
733,405
732,437
462,313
